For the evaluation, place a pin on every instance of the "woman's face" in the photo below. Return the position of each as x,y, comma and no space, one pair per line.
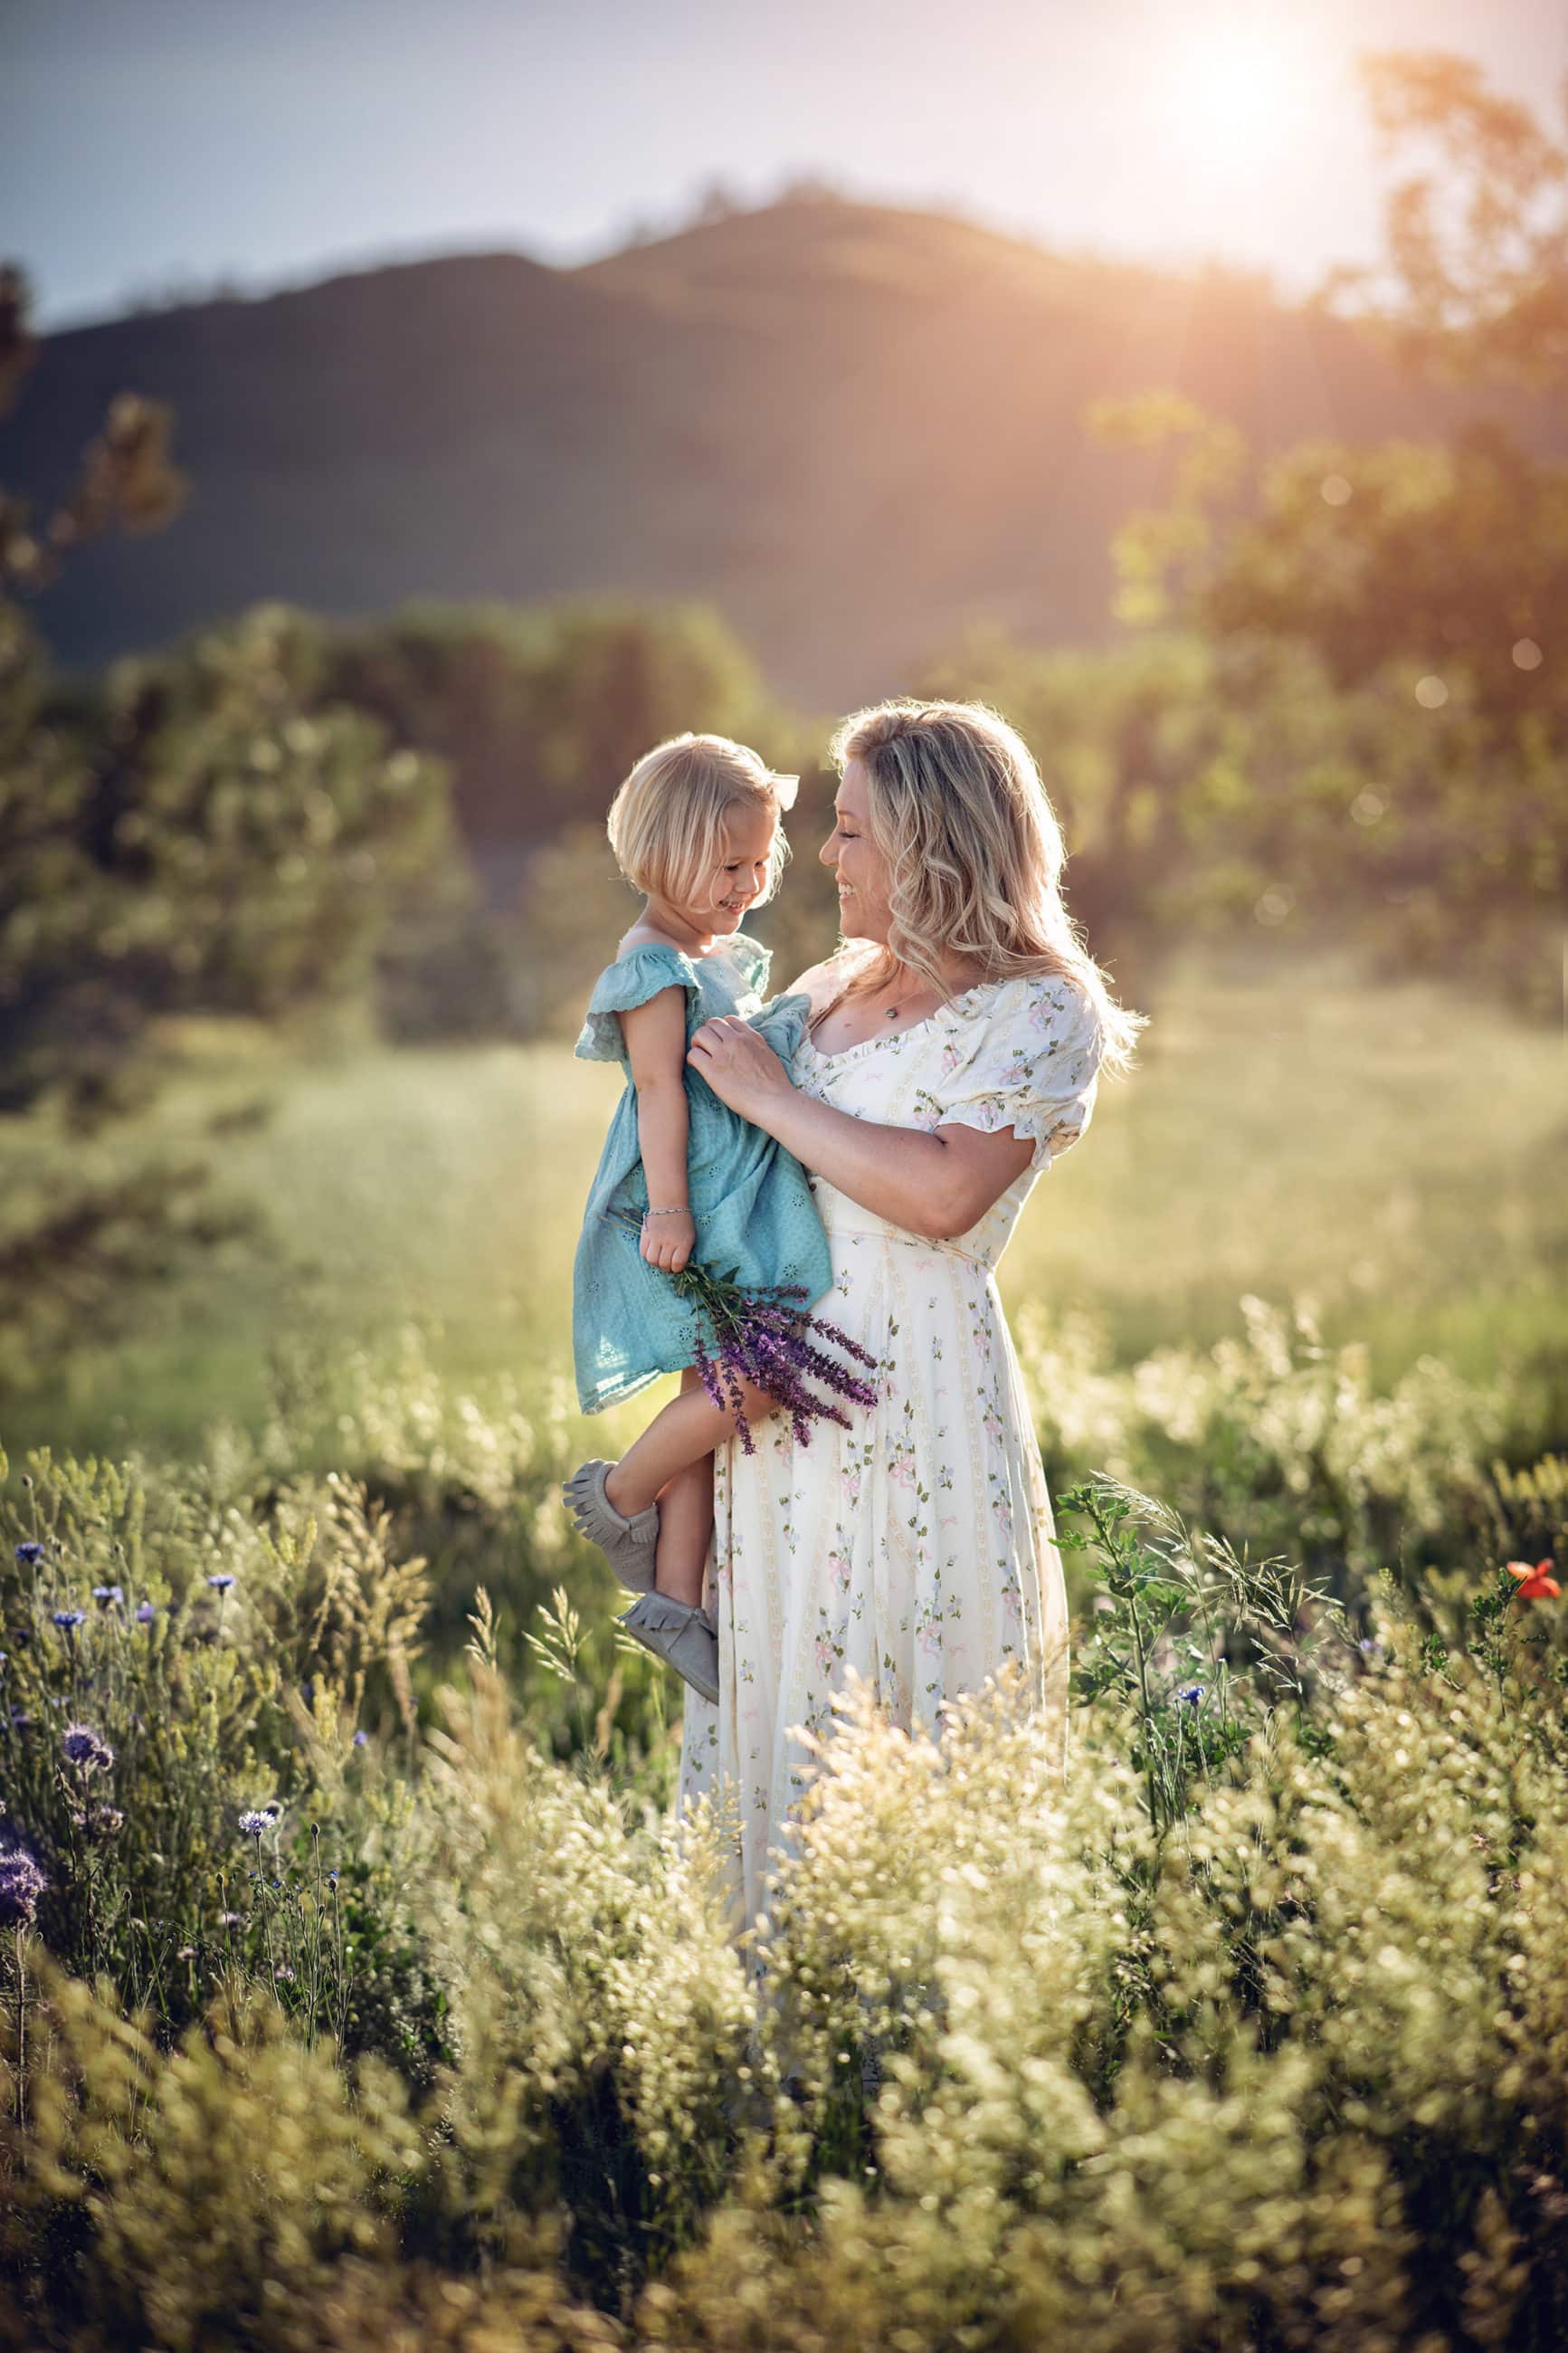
864,880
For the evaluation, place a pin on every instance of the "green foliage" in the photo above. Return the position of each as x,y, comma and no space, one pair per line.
539,711
1247,2028
1478,234
1280,1447
1200,1644
223,1658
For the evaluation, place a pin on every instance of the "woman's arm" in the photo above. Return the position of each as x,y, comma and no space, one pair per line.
655,1032
935,1183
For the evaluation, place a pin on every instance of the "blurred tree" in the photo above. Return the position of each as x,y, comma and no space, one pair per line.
210,843
1424,583
126,478
1477,232
540,710
200,830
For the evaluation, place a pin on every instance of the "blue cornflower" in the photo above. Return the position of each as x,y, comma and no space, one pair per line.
20,1718
1191,1693
253,1823
222,1581
145,1613
21,1885
29,1552
360,1739
105,1594
83,1745
331,1879
69,1618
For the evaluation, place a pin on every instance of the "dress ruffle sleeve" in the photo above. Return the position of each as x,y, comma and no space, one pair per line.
631,980
1029,1060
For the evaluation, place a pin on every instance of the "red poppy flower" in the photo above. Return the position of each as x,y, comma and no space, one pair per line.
1534,1583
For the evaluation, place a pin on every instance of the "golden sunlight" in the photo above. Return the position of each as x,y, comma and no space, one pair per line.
1236,92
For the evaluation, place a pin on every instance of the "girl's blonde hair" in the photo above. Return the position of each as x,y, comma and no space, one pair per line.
666,821
974,852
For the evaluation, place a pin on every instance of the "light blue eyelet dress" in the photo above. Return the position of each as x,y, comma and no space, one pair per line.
750,1199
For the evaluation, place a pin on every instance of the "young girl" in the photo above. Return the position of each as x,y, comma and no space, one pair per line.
695,827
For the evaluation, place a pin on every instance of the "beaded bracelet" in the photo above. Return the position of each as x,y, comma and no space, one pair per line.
666,1213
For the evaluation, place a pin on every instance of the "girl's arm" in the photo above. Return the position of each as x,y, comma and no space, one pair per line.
655,1033
938,1183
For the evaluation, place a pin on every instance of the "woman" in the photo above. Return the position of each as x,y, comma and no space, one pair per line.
953,1049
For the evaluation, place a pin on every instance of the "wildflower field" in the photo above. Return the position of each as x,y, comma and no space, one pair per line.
356,1986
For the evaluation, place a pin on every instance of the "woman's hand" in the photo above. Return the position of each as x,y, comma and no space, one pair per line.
668,1239
742,1068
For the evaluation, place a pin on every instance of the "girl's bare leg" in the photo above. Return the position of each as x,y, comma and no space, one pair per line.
685,1525
680,1434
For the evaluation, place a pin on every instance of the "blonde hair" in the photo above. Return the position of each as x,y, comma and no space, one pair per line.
666,821
958,809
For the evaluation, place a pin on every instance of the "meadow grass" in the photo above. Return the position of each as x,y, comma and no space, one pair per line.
1252,2033
1385,1152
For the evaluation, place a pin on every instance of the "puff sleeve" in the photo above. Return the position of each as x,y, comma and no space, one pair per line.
631,980
1029,1061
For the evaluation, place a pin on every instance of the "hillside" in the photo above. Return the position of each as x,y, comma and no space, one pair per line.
855,429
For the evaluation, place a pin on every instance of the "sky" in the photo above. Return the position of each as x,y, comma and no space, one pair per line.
155,147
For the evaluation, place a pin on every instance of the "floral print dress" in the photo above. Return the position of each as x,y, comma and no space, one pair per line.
917,1547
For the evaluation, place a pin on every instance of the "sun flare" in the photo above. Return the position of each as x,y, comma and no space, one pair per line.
1234,93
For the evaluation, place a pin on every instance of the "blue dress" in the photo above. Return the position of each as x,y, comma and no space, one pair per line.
752,1200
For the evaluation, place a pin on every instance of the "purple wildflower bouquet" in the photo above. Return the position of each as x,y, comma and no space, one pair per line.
765,1336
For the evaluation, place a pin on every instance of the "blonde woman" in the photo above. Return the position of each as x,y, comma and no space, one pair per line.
953,1050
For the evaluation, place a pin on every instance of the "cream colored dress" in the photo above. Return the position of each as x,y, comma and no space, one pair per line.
916,1548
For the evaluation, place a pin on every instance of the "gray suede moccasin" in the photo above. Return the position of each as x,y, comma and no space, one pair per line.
629,1546
684,1637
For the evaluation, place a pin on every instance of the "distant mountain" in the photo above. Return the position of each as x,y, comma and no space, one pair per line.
855,429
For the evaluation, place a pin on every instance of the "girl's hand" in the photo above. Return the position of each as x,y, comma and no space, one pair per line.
669,1241
742,1068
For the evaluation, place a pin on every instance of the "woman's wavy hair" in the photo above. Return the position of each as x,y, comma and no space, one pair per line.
975,854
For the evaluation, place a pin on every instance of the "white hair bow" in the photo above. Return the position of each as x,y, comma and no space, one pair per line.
785,789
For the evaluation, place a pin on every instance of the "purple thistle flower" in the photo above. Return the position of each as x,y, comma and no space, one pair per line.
108,1821
83,1745
29,1554
21,1885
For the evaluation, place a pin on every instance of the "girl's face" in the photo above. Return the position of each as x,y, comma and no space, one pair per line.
741,874
864,880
